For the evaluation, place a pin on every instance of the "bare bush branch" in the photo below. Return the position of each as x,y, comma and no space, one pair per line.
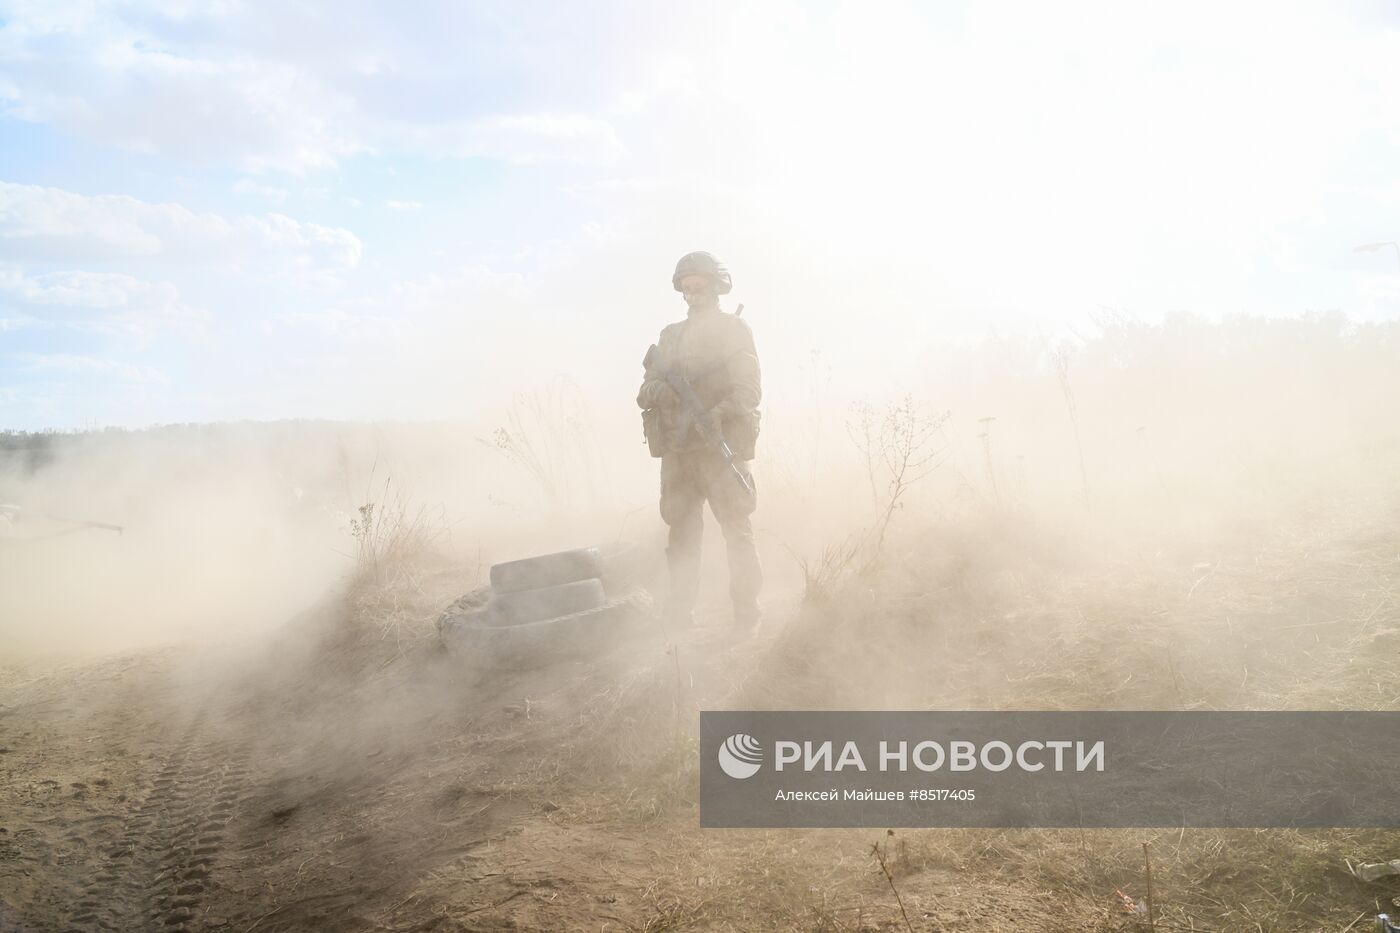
549,435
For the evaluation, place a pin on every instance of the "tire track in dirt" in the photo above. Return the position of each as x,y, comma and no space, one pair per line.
156,875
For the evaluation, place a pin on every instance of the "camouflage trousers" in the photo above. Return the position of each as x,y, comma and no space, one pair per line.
688,481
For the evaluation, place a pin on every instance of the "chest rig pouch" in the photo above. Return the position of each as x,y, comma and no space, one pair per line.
740,431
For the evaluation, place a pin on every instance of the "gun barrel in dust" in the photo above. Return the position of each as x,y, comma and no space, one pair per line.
699,415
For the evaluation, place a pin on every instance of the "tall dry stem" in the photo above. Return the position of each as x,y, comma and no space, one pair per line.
1060,356
549,435
899,446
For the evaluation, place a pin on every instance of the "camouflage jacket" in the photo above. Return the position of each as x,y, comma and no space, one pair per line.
715,352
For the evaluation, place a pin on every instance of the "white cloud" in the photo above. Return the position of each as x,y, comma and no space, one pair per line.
423,311
21,323
111,79
394,205
612,187
107,225
88,365
345,324
102,302
52,223
522,138
213,87
273,194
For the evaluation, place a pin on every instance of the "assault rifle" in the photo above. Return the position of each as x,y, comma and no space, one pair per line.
694,412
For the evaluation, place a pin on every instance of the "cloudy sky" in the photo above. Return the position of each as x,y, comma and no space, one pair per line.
263,210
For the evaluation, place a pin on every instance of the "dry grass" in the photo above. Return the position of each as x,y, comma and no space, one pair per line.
398,550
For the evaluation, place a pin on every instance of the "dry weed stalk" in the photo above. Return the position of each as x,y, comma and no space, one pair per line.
899,447
986,437
879,856
1151,909
1060,356
393,540
549,435
390,534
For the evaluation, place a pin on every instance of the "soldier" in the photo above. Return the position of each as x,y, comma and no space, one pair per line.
714,352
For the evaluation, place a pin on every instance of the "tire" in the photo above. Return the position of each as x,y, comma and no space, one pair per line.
532,573
524,606
539,644
473,600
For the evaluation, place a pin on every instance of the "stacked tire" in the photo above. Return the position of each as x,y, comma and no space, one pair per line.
540,610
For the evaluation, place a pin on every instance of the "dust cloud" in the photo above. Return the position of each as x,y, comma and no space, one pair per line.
1175,432
1173,429
1171,515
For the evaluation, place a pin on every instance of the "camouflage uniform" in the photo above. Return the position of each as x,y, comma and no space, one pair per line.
715,352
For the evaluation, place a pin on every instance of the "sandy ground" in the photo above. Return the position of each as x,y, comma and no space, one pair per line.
157,792
348,777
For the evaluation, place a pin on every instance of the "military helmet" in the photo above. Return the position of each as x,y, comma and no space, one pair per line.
703,263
